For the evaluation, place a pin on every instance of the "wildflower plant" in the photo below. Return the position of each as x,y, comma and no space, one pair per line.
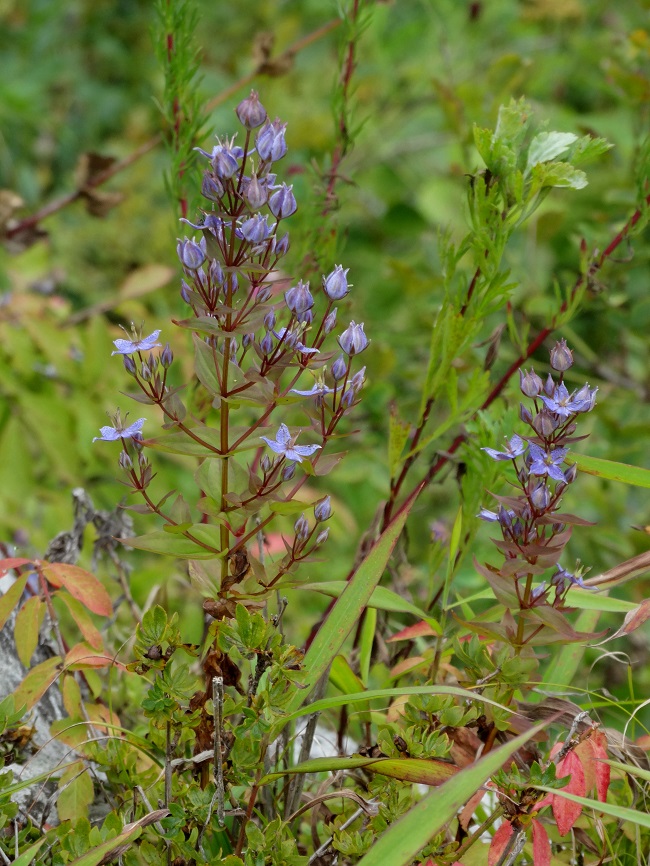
263,344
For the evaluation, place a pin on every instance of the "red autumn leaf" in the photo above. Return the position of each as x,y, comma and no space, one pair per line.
81,584
499,842
541,845
566,812
420,629
80,615
12,562
592,752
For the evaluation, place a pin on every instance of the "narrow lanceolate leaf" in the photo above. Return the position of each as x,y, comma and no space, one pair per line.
81,584
80,615
348,608
111,850
623,472
541,845
499,843
11,598
206,545
402,841
421,771
27,857
29,620
37,682
633,619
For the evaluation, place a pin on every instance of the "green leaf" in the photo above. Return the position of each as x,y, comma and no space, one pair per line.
401,842
421,771
37,682
27,857
206,359
381,598
163,542
546,146
11,598
398,434
611,470
76,793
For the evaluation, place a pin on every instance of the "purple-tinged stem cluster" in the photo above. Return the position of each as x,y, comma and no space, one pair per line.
533,529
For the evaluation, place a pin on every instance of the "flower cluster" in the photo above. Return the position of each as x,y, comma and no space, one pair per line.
534,532
257,336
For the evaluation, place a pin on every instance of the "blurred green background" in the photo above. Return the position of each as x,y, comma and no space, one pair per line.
81,77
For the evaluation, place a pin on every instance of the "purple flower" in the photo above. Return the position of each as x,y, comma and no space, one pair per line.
319,389
282,203
563,576
353,340
270,141
563,403
335,285
138,344
323,510
284,444
256,193
299,299
256,229
586,398
538,592
545,463
120,431
514,448
191,254
251,112
530,383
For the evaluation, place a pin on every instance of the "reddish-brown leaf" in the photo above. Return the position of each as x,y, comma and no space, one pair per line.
12,562
541,845
499,842
29,620
420,629
84,656
566,812
81,584
37,682
593,753
80,615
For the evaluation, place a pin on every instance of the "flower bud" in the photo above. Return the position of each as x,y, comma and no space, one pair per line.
353,340
125,461
530,383
299,299
263,294
256,194
265,463
282,246
322,537
339,368
251,112
323,510
289,471
561,356
330,322
247,340
166,356
266,344
347,400
191,254
145,372
224,161
358,380
270,142
185,292
216,273
525,414
269,320
335,285
570,473
549,386
301,528
541,497
544,424
282,203
256,229
129,365
211,187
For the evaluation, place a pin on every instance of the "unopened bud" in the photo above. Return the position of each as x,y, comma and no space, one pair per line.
322,537
145,372
251,112
166,356
265,463
544,424
335,285
129,365
330,322
301,528
323,510
525,414
211,187
125,461
530,383
570,473
339,368
289,471
540,497
256,193
561,356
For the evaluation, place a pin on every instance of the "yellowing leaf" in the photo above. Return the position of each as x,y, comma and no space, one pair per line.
37,682
11,598
80,615
76,793
81,584
29,620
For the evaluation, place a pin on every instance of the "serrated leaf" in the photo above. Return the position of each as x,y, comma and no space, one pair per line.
29,620
546,146
81,584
